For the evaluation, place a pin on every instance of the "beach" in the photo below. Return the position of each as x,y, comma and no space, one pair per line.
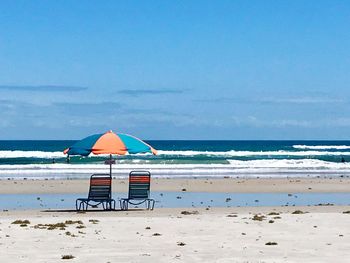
224,185
216,201
184,234
168,235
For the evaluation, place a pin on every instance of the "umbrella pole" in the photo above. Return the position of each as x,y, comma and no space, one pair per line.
110,165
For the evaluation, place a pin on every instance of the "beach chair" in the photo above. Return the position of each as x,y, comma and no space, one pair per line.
139,190
100,192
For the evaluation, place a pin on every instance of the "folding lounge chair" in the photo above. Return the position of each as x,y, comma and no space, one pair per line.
139,190
99,193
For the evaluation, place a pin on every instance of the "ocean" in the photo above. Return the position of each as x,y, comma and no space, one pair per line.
42,159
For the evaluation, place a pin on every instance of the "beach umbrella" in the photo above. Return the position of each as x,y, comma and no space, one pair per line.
109,143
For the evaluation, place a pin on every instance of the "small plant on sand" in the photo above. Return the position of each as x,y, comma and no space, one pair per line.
147,227
60,226
298,212
271,221
231,216
189,213
21,222
181,244
271,243
273,214
156,234
71,222
258,217
67,257
94,221
346,212
81,226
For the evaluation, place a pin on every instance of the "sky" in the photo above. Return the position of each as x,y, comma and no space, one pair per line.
229,70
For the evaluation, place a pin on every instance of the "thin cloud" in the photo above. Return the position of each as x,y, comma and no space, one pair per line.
42,88
275,100
301,100
140,92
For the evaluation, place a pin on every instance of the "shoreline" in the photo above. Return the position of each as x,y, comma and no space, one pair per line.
210,185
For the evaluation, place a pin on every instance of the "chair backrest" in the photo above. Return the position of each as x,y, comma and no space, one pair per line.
139,184
100,186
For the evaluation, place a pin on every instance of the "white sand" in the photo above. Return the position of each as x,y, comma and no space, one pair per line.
323,235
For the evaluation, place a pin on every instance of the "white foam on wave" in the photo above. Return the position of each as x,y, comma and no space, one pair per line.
263,168
31,154
232,153
322,147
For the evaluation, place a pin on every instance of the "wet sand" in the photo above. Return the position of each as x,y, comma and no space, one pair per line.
225,185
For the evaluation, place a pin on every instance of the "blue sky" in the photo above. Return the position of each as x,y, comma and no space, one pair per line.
175,69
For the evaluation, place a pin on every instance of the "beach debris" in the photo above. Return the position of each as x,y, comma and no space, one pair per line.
60,226
21,223
271,221
183,190
190,212
178,197
156,234
326,204
258,217
271,243
290,194
243,234
94,221
228,199
71,222
181,244
277,217
273,214
346,212
231,215
298,212
80,226
147,227
67,257
70,234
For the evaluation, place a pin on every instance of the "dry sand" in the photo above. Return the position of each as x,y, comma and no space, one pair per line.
217,235
278,185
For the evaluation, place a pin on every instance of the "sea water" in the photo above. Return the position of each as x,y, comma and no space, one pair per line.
180,200
45,160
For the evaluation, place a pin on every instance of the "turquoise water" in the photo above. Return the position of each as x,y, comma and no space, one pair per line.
181,200
45,160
